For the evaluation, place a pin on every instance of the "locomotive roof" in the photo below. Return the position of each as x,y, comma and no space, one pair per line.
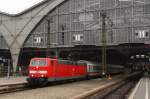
37,58
87,62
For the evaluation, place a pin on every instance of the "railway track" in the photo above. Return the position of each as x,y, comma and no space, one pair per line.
123,90
119,90
13,88
103,92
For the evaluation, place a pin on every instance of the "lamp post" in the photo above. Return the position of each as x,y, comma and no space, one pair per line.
104,62
49,21
48,36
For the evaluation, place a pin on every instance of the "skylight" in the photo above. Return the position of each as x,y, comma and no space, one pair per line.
16,6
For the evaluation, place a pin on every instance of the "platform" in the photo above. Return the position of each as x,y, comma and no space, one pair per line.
12,80
142,89
70,90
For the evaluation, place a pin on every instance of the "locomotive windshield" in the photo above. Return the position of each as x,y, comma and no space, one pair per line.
39,63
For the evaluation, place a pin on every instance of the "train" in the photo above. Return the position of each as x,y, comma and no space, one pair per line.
44,70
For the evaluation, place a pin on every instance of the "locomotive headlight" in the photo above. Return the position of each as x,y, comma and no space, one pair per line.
32,71
42,71
32,75
42,75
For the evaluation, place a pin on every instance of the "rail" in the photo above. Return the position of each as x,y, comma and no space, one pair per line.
7,88
106,89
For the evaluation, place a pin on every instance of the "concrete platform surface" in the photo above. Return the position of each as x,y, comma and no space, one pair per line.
142,89
60,91
12,80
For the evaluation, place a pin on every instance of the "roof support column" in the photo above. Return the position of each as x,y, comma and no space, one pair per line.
15,56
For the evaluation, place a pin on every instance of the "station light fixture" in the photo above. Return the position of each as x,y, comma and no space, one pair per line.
142,56
137,56
132,57
1,58
147,56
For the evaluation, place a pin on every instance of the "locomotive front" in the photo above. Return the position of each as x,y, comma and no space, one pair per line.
38,71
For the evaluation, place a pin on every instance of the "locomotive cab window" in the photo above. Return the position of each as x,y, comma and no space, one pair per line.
39,63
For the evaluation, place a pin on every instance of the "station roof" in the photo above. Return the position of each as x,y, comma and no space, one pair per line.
26,10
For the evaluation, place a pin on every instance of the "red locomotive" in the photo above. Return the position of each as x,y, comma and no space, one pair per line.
44,70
